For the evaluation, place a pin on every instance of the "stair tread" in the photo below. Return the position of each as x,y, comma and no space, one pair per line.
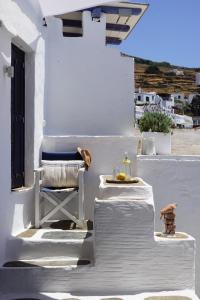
35,263
63,225
62,235
49,234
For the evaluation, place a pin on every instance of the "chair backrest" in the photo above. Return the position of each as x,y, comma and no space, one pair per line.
61,156
60,169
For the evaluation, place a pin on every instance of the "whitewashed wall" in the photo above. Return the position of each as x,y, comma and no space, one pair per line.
176,180
21,23
90,86
88,90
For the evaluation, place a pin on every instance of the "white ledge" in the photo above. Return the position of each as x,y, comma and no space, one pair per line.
169,157
23,189
90,136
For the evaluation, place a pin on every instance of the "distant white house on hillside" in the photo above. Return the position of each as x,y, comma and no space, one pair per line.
150,101
167,101
198,79
164,101
141,97
182,121
178,72
178,96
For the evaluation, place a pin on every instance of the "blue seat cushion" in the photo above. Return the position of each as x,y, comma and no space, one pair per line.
61,156
58,190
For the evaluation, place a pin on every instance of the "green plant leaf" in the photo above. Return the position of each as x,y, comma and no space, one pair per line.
155,122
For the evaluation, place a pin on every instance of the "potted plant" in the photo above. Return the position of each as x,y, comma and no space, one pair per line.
157,125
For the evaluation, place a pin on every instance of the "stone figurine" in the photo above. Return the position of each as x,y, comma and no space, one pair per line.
169,216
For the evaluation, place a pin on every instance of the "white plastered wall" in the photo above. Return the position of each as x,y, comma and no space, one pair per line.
90,86
175,179
89,100
79,101
21,24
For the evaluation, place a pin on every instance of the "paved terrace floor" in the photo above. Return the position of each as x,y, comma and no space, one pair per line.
184,141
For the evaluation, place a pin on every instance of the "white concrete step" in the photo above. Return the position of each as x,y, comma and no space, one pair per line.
175,295
40,275
166,264
51,243
60,262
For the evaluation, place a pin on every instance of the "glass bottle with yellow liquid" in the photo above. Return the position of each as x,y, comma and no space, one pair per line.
127,166
124,173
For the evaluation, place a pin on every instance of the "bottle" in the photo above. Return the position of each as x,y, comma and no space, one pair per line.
127,165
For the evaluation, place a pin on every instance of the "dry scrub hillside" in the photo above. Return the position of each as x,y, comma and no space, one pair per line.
166,81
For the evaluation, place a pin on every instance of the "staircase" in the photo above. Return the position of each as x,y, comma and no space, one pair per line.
52,244
121,256
38,257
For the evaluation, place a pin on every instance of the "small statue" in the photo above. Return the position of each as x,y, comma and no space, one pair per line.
169,218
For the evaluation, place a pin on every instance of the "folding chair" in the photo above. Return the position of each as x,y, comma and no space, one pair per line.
61,174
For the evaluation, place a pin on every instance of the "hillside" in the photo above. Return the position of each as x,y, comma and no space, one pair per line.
165,81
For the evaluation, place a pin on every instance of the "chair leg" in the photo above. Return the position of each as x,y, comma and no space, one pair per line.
79,221
59,207
37,200
81,196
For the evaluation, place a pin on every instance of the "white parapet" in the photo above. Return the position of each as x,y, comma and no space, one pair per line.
127,252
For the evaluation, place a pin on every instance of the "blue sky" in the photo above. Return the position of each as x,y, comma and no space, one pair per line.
168,31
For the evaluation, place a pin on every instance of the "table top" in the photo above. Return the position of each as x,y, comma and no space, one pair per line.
132,180
118,190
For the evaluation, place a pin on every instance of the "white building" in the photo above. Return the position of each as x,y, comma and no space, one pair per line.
168,101
164,104
183,121
62,87
198,79
141,97
178,72
196,121
66,79
178,96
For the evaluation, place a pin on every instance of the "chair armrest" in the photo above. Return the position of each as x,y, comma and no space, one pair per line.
81,170
81,195
38,170
38,180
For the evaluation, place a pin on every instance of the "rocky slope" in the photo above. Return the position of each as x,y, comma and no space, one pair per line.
165,81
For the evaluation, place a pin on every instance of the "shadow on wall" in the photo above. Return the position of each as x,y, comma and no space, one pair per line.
32,10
